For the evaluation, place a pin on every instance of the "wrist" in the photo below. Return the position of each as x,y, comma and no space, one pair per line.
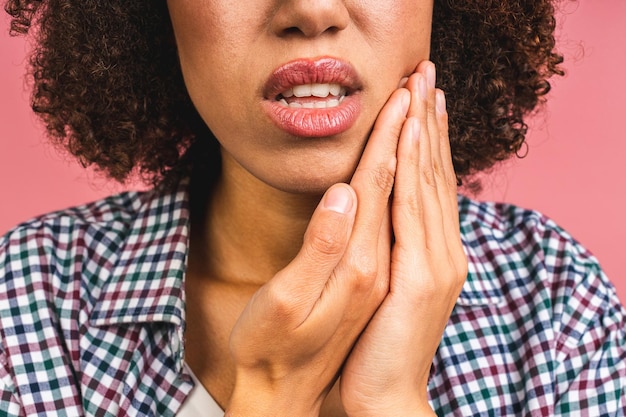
262,400
399,411
254,406
396,406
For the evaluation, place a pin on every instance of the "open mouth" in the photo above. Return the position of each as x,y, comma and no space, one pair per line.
313,96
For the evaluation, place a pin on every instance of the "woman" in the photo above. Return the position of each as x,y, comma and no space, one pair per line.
304,251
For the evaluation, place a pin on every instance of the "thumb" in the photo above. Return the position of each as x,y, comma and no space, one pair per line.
325,243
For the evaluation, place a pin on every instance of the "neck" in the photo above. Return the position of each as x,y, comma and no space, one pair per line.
248,231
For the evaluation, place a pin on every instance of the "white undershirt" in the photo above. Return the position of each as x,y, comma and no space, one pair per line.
199,403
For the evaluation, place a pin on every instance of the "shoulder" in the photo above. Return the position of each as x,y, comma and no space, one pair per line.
71,257
506,227
79,289
108,212
63,257
535,270
61,241
521,241
537,319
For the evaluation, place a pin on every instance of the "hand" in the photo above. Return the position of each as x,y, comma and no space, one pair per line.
293,337
388,369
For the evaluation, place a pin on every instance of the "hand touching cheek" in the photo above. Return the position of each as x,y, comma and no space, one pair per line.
387,371
294,335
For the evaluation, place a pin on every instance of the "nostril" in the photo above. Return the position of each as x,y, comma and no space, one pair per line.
308,32
309,19
292,31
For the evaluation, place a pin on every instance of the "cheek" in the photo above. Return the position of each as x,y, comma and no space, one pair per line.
414,38
210,51
402,29
210,36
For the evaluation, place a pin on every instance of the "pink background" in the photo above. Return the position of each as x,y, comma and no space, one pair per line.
573,173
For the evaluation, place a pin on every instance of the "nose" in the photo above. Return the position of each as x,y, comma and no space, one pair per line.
310,18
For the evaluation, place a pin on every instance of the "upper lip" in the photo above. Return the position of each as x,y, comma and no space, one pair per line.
311,71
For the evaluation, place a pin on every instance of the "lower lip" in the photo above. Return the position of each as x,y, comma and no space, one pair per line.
315,123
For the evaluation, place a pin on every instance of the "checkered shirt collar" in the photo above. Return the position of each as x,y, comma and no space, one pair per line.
146,283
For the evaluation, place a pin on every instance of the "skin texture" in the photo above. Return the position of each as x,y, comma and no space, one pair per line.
274,318
227,53
107,82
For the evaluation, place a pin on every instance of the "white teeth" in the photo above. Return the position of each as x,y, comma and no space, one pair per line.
332,103
322,104
315,90
334,94
320,90
302,90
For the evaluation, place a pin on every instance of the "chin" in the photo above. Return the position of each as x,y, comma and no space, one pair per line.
309,184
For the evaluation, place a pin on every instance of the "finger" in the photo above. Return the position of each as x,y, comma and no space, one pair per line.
384,253
448,189
427,69
437,182
407,207
449,194
424,181
423,106
440,153
297,287
438,129
373,181
443,175
374,176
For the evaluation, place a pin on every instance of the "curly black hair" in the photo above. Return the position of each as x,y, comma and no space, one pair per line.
108,85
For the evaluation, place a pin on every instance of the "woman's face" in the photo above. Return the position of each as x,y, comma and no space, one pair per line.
291,88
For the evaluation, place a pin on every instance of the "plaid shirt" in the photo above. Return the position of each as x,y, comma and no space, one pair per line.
92,316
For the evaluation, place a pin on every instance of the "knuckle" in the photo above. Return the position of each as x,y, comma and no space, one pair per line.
438,171
451,181
365,272
431,110
450,281
324,242
281,302
408,201
444,126
365,267
430,286
428,176
365,279
381,287
462,266
443,280
454,278
381,178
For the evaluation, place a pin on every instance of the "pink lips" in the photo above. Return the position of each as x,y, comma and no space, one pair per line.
316,122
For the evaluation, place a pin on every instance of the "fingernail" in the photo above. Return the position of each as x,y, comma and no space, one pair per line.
406,102
339,200
431,75
414,129
440,102
403,82
422,88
